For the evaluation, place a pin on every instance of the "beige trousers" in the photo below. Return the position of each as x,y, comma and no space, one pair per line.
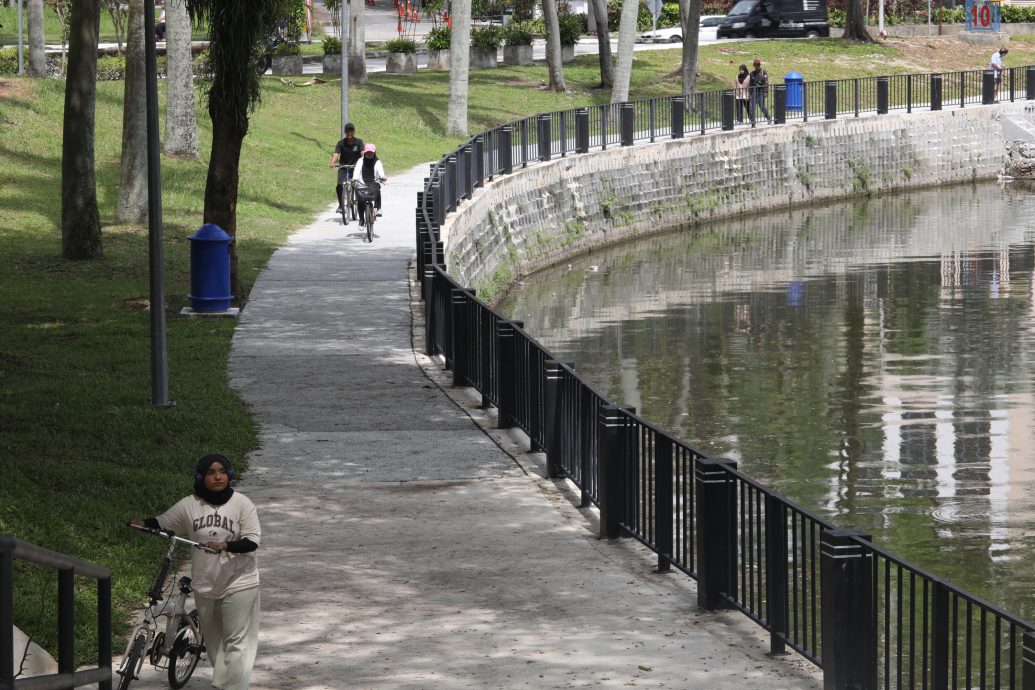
230,627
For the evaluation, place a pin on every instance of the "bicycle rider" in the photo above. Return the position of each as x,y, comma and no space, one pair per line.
347,152
371,172
226,583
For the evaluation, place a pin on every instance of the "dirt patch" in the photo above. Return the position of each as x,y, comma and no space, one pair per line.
938,53
12,89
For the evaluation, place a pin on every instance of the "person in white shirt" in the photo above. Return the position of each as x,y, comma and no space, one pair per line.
226,583
996,65
370,172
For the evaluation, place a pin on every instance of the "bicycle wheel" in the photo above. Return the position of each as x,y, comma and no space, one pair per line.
184,655
344,215
371,214
131,664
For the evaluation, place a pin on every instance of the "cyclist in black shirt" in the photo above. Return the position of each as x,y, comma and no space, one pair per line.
348,151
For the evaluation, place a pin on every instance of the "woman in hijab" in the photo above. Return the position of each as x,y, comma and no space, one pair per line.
226,583
742,91
370,172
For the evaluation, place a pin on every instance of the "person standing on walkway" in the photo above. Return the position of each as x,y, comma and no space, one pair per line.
226,583
996,65
759,90
742,92
346,152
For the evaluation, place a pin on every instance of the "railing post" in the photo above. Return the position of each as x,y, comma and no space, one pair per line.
627,122
505,152
6,612
1029,77
587,427
605,113
663,501
466,163
613,469
104,628
776,571
479,161
779,104
678,110
963,89
936,92
849,626
882,95
1028,661
582,130
728,104
651,108
458,322
506,369
700,109
909,93
451,183
562,133
987,87
429,309
553,373
523,138
940,624
716,532
66,621
544,137
855,89
830,97
1012,71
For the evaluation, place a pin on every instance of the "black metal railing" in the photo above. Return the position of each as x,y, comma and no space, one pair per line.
67,569
866,617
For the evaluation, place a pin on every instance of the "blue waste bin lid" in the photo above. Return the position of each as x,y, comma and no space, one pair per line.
210,232
794,76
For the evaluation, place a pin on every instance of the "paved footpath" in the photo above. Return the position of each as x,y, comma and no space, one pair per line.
402,546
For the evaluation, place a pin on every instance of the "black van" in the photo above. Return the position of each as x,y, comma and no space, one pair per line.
776,19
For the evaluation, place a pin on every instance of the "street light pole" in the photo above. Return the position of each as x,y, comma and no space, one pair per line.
159,353
21,42
344,65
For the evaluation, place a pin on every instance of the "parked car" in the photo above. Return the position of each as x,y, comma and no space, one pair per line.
775,18
674,34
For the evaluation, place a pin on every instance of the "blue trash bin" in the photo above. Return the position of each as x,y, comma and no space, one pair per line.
794,82
210,269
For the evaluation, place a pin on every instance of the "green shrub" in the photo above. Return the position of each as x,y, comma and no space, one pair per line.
572,27
401,45
836,17
438,38
1015,13
487,38
517,34
111,67
331,45
9,60
287,49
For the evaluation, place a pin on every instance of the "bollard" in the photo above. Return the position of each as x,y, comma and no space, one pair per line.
458,322
716,532
544,137
728,104
465,163
505,152
664,500
678,109
1028,661
582,130
479,161
554,375
776,571
613,469
506,360
936,92
627,122
830,100
987,87
452,182
210,269
779,104
523,140
882,95
1029,76
849,627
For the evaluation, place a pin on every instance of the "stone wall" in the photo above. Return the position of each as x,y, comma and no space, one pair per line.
535,217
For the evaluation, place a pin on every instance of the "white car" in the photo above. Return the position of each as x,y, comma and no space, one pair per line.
674,34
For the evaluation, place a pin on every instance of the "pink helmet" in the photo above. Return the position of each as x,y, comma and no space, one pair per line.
370,147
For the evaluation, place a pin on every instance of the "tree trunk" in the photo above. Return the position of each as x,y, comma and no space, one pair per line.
459,67
37,56
607,66
131,206
221,184
554,62
181,125
80,219
855,23
690,22
358,46
626,45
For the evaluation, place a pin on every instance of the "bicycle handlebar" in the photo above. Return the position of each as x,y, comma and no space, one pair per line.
171,536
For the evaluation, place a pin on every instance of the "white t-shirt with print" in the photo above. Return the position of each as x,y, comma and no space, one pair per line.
214,576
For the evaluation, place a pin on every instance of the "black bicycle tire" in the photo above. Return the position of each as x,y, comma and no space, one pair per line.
136,652
371,214
178,649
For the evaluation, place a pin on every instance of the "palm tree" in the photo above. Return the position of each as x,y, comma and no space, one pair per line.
181,125
607,67
238,32
131,205
459,64
80,218
626,45
37,54
554,61
357,47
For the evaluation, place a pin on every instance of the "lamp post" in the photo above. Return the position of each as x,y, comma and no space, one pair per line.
159,353
344,65
21,42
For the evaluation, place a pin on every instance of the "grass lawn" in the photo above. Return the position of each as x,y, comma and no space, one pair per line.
81,449
52,27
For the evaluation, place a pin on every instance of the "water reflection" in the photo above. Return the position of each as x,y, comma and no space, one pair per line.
871,360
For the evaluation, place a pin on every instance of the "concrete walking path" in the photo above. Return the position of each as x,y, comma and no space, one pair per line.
404,547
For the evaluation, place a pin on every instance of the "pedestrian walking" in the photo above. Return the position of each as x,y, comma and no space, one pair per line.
742,92
996,65
759,90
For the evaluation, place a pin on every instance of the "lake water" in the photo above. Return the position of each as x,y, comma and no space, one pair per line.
871,360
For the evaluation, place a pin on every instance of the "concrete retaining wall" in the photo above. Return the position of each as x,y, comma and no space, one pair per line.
536,217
